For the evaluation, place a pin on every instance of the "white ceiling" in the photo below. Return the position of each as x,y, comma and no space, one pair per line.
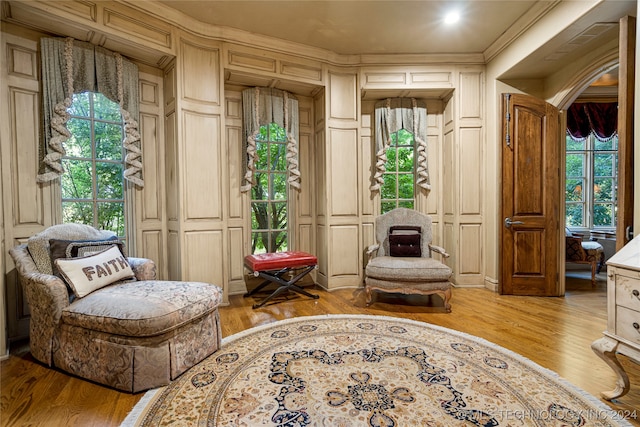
367,26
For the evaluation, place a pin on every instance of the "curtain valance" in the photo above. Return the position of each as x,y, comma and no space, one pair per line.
392,115
601,118
70,66
261,107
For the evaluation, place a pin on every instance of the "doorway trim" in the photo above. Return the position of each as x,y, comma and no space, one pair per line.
563,100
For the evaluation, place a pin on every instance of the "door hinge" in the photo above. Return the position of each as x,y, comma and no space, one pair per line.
508,120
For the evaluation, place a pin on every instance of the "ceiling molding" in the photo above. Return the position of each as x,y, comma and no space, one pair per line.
533,15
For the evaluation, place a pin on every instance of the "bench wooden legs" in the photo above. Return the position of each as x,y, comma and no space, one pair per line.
285,285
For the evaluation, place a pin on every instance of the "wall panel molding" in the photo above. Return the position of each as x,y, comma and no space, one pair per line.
27,199
471,162
201,71
127,20
199,246
22,62
343,100
201,161
344,251
343,172
150,132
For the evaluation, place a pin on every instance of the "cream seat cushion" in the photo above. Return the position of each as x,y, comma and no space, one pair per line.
408,269
144,308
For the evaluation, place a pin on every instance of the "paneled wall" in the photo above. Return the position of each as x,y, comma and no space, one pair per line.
196,159
25,204
467,162
339,233
151,203
191,217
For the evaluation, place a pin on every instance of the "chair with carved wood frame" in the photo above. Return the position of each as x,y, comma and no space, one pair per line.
415,274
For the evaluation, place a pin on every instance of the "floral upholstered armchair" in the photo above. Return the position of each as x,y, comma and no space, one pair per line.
401,260
584,252
102,316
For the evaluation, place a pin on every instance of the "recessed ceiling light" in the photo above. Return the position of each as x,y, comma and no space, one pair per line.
452,17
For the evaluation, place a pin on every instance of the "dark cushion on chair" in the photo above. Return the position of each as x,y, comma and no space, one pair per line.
59,248
405,241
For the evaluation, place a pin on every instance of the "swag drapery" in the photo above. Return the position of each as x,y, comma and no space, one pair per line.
70,66
392,115
599,118
261,107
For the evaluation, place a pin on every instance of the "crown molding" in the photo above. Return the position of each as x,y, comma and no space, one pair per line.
526,21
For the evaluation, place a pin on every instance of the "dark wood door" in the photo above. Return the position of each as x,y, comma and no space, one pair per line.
530,197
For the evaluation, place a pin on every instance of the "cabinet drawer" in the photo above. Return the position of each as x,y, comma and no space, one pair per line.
628,324
628,292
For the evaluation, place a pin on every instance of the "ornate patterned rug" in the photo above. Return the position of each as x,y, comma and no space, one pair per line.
358,370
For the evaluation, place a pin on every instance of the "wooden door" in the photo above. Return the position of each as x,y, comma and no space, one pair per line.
530,197
626,90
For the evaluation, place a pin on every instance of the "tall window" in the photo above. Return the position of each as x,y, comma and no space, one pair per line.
93,188
398,188
269,199
591,182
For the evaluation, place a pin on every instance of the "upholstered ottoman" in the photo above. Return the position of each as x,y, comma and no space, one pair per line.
274,266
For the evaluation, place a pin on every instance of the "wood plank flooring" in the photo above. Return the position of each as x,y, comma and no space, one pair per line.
554,332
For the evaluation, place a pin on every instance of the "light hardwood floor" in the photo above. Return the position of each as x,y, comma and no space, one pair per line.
554,332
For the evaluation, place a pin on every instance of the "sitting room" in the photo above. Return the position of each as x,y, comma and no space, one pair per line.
319,212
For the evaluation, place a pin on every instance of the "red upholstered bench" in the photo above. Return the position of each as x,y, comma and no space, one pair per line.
272,266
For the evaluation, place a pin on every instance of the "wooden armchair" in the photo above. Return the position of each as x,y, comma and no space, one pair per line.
404,264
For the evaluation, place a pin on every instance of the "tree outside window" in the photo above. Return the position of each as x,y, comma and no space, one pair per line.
92,185
591,182
269,197
399,177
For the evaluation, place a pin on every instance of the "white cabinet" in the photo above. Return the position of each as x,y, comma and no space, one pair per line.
623,314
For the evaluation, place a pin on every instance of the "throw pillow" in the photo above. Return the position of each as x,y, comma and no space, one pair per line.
59,248
405,241
87,274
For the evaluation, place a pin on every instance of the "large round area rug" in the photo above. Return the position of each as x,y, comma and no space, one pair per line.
359,370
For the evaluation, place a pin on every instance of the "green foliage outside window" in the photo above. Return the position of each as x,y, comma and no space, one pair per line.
269,199
591,182
398,187
92,185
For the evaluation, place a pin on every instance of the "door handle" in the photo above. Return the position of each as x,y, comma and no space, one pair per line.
508,223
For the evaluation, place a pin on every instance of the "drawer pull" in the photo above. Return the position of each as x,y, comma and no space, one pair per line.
636,293
636,326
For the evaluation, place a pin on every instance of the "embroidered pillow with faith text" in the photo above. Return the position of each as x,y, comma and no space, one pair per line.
88,274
